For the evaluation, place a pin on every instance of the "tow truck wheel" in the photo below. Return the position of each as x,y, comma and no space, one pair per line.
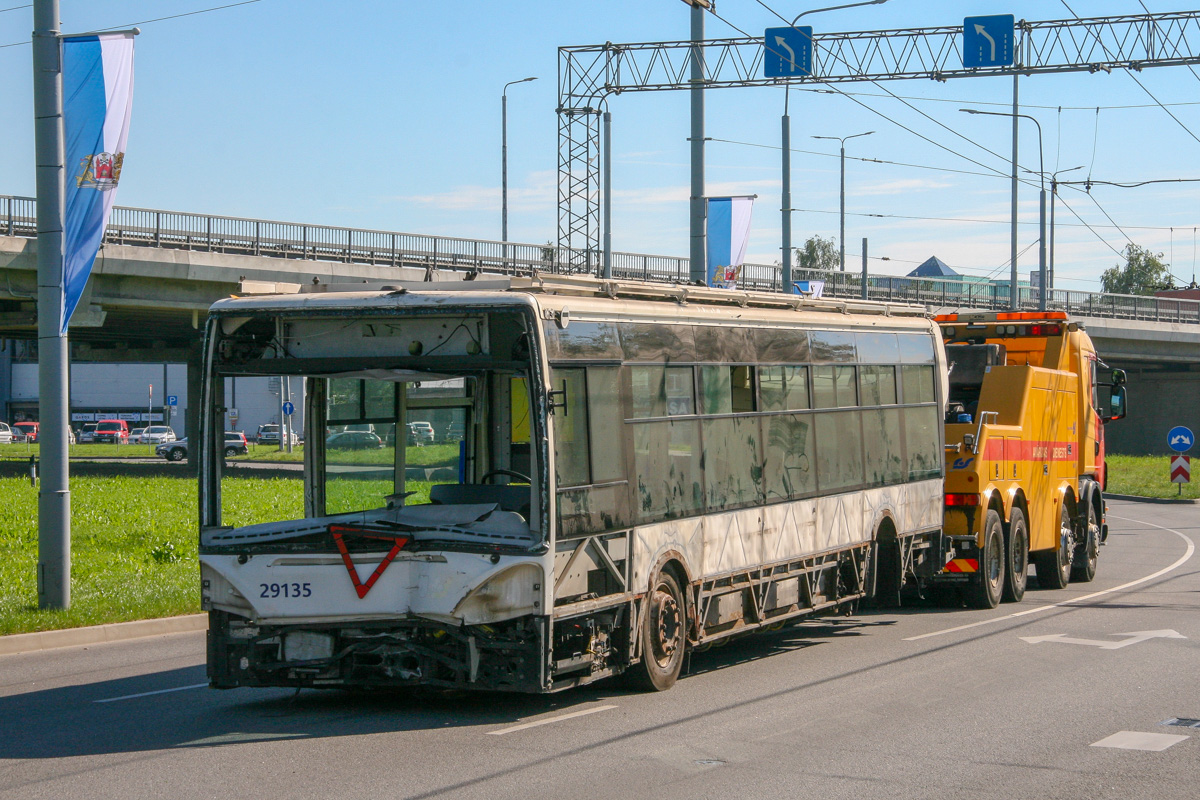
986,592
1017,541
1083,568
1054,566
663,632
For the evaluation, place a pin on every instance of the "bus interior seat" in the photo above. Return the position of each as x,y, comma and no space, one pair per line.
968,364
508,497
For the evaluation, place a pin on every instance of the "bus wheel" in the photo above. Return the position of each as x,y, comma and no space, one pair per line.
1087,551
1054,566
663,635
1017,574
987,590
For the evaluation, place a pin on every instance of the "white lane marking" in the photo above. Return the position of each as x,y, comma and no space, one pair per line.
548,720
147,694
1191,548
1134,740
1131,638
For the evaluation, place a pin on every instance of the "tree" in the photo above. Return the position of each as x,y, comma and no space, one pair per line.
1142,273
818,254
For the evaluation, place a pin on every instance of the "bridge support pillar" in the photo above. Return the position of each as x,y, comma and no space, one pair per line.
191,414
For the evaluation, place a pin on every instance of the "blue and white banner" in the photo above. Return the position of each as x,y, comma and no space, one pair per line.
728,234
97,100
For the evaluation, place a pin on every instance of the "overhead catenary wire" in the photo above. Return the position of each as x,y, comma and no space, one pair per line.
148,21
1138,82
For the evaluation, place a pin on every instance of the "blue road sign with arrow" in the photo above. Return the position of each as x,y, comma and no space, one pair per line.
988,41
289,409
787,52
1180,439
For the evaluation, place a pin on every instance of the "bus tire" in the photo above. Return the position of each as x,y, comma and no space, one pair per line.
664,635
1087,549
1054,566
987,590
1017,552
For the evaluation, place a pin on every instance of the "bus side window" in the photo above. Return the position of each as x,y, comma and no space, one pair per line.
571,428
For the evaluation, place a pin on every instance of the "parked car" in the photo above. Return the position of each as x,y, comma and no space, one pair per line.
354,440
25,432
137,436
177,450
114,431
269,434
6,434
236,444
423,431
87,434
158,434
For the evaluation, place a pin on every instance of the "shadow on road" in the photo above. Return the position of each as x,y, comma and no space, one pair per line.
68,721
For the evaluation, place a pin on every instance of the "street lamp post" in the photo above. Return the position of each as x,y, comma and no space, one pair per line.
1042,277
785,206
504,159
842,215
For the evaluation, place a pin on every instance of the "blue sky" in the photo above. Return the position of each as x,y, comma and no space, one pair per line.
387,115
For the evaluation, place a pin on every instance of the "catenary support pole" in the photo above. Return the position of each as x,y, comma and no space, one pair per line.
864,277
785,200
1014,285
1043,278
607,166
842,214
54,494
1053,197
698,271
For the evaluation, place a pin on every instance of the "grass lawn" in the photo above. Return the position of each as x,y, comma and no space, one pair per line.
1148,476
134,541
433,455
133,546
24,450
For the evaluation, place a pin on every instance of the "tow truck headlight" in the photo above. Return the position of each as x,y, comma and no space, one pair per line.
510,593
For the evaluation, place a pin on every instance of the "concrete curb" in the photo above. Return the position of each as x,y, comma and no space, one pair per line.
1181,501
97,634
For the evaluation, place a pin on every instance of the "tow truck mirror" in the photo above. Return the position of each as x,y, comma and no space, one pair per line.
1118,377
1116,404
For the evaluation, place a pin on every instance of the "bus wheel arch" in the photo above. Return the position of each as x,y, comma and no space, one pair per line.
663,626
888,571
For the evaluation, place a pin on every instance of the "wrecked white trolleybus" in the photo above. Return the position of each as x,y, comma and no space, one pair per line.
616,472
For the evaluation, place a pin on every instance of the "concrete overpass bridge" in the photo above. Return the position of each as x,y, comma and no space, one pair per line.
158,272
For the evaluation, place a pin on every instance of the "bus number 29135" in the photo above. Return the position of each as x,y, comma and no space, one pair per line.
286,589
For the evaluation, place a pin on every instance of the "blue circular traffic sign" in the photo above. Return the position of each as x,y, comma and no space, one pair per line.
1180,439
289,409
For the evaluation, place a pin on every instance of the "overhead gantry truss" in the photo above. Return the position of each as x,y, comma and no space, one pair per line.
588,75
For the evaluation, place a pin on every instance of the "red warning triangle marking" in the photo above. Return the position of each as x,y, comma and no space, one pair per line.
359,586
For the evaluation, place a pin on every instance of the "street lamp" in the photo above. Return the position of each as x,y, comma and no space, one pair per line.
1042,278
504,158
842,234
785,205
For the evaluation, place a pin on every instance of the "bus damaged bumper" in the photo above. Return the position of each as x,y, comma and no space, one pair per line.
315,630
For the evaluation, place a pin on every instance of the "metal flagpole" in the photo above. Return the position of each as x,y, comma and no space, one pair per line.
54,494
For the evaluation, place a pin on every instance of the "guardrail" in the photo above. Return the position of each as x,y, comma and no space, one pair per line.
272,239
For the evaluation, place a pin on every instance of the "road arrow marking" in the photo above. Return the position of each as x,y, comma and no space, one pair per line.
1133,638
982,31
779,40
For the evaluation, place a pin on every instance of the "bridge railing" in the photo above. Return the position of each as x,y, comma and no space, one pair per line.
255,237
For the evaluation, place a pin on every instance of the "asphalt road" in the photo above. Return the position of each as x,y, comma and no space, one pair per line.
923,702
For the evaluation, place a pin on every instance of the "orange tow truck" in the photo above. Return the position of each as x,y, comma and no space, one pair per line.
1024,452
